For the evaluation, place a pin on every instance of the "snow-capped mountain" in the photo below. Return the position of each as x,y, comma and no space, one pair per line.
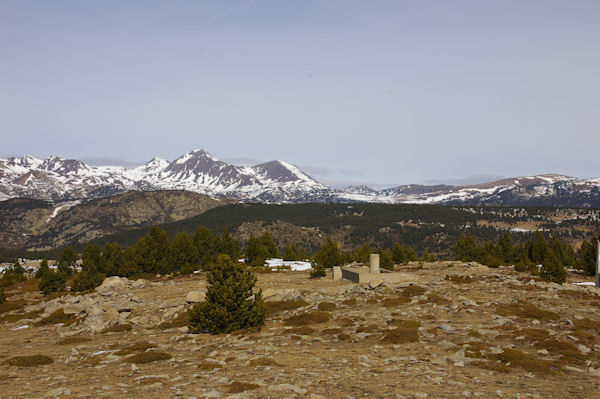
59,180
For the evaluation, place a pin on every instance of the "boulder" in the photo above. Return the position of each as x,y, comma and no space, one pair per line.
113,284
195,296
273,295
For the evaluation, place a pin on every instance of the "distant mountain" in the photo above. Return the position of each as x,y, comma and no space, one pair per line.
58,180
42,224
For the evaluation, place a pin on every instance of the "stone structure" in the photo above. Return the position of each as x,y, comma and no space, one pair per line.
361,274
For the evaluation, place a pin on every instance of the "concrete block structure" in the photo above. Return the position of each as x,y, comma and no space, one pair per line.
361,274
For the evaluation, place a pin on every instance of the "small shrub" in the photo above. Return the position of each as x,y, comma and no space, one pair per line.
2,296
395,301
13,275
327,306
496,366
303,319
29,361
51,281
317,271
567,351
148,357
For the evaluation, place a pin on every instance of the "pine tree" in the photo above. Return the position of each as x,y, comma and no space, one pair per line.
385,259
13,275
465,248
42,269
587,256
551,269
506,247
90,276
51,281
183,253
539,247
289,253
227,306
152,252
363,253
66,261
112,259
256,252
205,246
329,255
129,266
229,246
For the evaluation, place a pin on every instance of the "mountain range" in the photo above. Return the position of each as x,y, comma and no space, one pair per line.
61,180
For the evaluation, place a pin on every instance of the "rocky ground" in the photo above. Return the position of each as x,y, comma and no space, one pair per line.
449,330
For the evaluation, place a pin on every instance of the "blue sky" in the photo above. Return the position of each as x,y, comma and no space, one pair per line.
380,92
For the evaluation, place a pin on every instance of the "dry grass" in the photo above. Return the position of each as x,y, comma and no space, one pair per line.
148,357
367,329
349,302
72,340
180,321
304,319
305,330
13,318
526,310
117,328
237,387
57,317
413,290
436,299
136,347
11,305
567,352
531,334
327,306
459,279
29,361
282,306
400,335
209,366
495,366
512,357
415,324
587,324
343,337
344,321
331,331
395,301
263,362
584,336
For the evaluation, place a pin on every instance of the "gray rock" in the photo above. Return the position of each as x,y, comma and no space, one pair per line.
113,284
195,296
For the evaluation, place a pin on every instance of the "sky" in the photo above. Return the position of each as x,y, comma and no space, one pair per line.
378,92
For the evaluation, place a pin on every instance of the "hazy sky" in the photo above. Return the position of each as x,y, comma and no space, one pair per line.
384,92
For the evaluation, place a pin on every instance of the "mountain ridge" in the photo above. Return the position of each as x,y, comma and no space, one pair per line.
59,180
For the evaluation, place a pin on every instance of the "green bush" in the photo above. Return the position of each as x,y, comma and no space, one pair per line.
317,271
230,304
13,275
51,281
